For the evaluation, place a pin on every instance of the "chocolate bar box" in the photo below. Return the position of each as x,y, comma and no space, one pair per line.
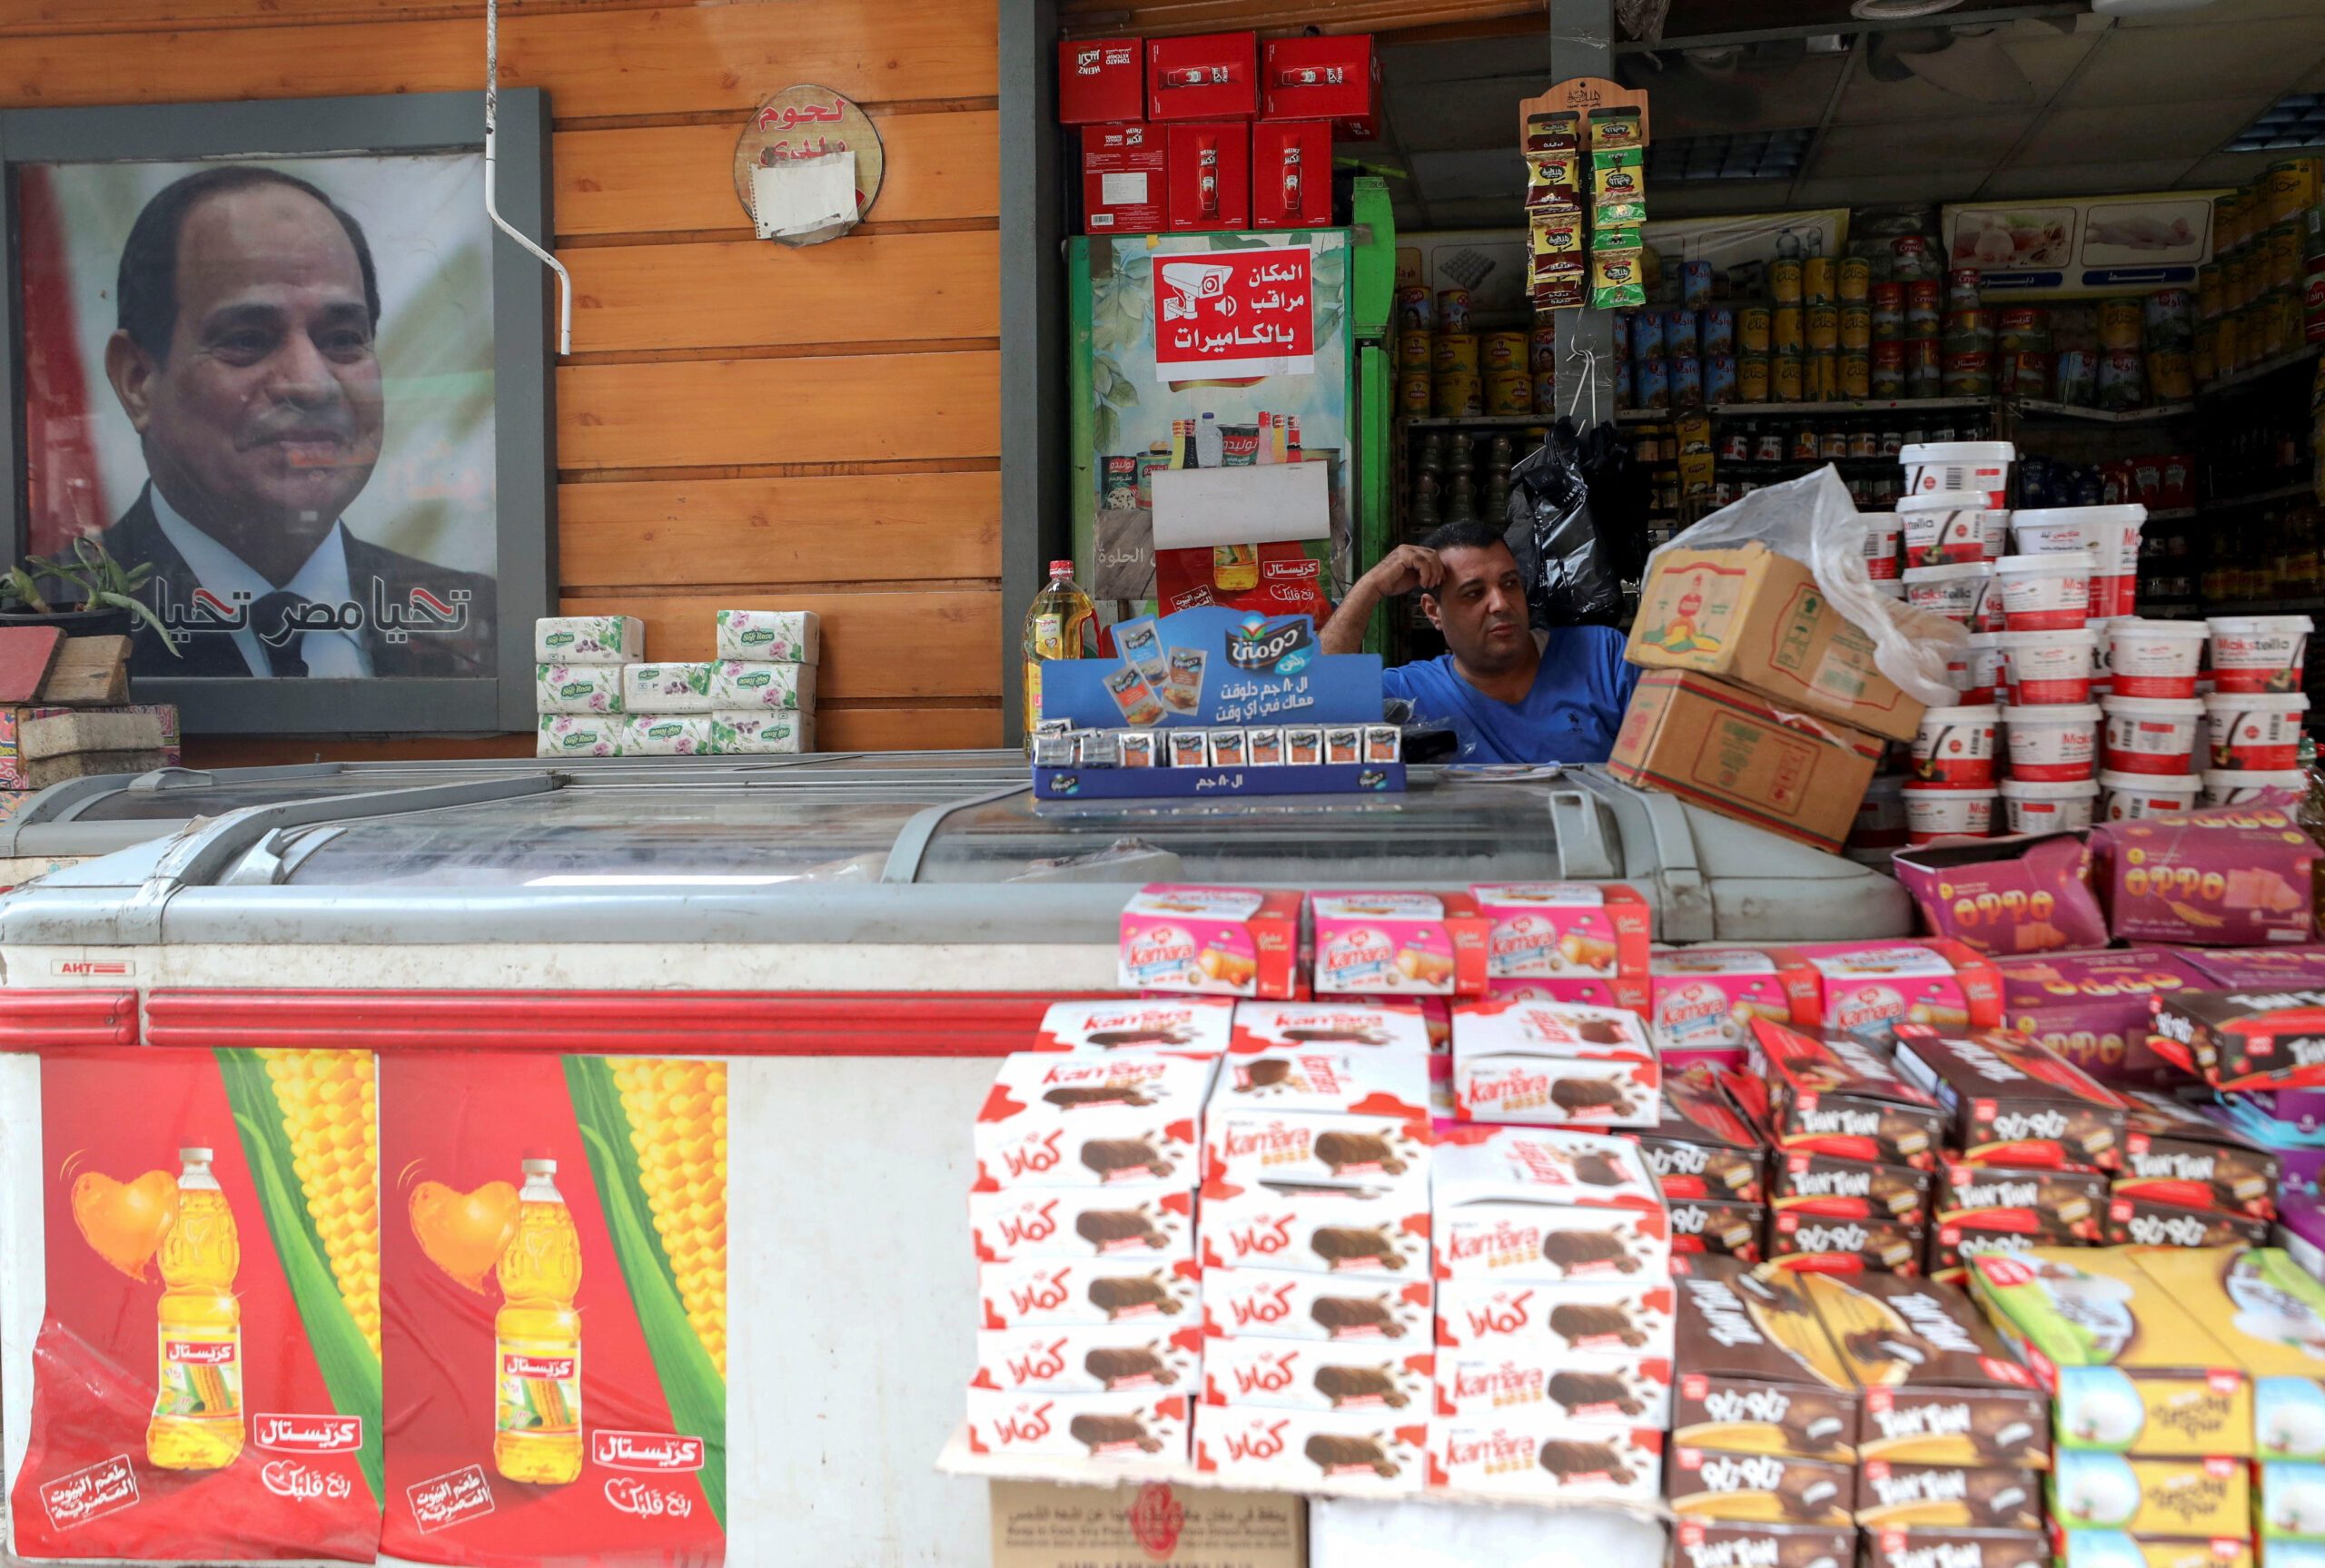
2245,1040
1702,1147
1833,1094
1753,1370
2172,1155
2009,1101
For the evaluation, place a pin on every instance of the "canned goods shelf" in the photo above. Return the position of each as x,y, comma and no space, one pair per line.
2171,514
1761,410
2291,492
1488,421
2269,606
2254,372
2156,414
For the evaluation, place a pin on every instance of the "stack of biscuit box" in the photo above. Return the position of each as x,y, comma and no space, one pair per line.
598,697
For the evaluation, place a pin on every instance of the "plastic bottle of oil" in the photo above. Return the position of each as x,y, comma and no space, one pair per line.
1062,624
197,1421
537,1338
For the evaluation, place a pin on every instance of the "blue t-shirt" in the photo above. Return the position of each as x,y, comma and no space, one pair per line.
1570,716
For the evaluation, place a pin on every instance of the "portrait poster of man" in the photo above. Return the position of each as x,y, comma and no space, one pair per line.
273,380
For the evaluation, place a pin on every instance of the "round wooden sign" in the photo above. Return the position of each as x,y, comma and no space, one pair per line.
810,122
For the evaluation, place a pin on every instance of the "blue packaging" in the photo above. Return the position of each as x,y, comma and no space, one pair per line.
1695,284
1653,381
1647,335
1719,332
1686,381
1680,336
1719,379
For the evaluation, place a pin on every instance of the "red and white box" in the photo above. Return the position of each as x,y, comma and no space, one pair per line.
1704,999
1284,1303
1101,79
1112,1222
1210,176
1066,1293
1360,1230
1381,1452
1548,1458
1207,76
1520,1380
1586,1322
1214,940
1291,174
1398,1027
1126,179
1086,1120
1294,1376
1399,945
1548,1063
1327,78
1314,1117
1518,1204
1196,1026
1133,1428
1126,1359
1868,988
1564,929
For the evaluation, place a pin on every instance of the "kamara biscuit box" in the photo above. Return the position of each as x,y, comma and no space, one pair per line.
1381,1313
1830,1093
1317,1116
1295,1374
1702,1000
1139,1427
1546,1206
2129,1369
1356,1027
1730,1543
1546,1458
1721,1483
1124,1359
1963,1497
1711,1227
1868,988
1219,940
2269,1314
1397,943
2172,1155
1372,1452
1089,1120
1129,1222
1939,1386
1353,1229
2091,1008
1196,1026
2182,1497
1702,1147
1936,1546
1554,1064
1071,1293
1754,1370
1805,1239
2141,1222
1557,929
2265,1039
1597,1352
2008,1101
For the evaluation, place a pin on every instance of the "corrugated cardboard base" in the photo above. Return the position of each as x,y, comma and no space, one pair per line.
1044,1524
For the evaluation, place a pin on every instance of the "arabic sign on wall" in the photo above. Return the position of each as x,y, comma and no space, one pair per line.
1234,313
803,122
2064,247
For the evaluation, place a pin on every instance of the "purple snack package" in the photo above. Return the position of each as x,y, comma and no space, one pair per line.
2091,1008
2300,1231
2008,896
2248,968
2232,876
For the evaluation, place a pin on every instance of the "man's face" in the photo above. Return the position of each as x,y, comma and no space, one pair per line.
1480,608
266,414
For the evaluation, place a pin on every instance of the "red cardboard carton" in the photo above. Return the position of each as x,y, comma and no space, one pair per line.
1291,174
1210,176
1125,184
1332,78
1208,76
1101,79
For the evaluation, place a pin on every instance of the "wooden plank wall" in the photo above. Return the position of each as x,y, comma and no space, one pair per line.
739,423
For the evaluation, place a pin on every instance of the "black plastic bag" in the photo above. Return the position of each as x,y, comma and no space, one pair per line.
1571,579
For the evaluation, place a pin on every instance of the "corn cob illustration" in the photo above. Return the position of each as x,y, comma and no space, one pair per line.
210,1388
331,1114
678,1120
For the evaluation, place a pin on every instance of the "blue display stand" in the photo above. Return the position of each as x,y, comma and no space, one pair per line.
1201,783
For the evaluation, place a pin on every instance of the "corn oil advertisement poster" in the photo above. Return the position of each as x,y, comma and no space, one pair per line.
441,1308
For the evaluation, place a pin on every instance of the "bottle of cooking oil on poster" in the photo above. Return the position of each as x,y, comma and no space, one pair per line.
197,1421
537,1338
1061,624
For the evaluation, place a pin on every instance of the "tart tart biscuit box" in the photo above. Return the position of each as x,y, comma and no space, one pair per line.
2141,1222
1831,1093
1085,1120
2172,1155
1554,1064
1381,1452
1315,1117
1544,1205
1702,1147
1351,1026
1224,941
1398,943
1716,1227
1871,987
2008,1101
2269,1315
2265,1039
1754,1370
2005,1198
1934,1546
1965,1497
1337,1376
1770,1488
1290,1304
1557,929
1121,1359
1804,1240
1724,1544
1196,1025
1546,1457
1820,1184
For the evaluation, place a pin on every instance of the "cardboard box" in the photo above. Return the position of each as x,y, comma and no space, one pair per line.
1336,78
2009,1102
1377,1233
1291,174
1397,943
1394,1027
1197,1026
1703,1147
1807,1182
1121,1360
2180,1497
2172,1155
2120,1549
1718,1484
1126,179
2142,1222
1205,76
1224,941
1872,987
2267,1040
2230,877
1383,1314
1553,1064
1153,1524
1134,1428
1719,1227
1719,747
1069,1293
1727,1543
782,637
1210,176
2266,1310
1318,1117
1756,618
1998,1196
1546,1457
1101,79
1390,1381
1375,1451
1545,1206
1833,1094
1936,1546
1704,999
1126,1119
1755,1371
1539,1377
1961,1497
1564,929
2091,1008
589,640
1593,1351
1094,1222
1874,1242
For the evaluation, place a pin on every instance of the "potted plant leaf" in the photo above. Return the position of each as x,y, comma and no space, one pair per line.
108,604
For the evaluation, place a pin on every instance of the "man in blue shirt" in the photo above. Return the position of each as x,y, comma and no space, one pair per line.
1512,694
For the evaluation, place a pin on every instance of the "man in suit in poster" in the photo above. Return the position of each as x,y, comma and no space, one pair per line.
246,358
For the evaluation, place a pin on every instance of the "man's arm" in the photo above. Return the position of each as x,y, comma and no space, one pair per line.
1400,571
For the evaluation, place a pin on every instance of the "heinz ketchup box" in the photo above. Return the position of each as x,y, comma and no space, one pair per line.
1125,187
1208,76
1398,943
1869,988
1210,176
1334,78
1221,940
1101,79
1291,174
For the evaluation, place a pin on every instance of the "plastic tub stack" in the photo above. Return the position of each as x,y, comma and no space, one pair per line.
598,697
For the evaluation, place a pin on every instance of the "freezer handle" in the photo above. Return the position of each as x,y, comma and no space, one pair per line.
205,853
1583,853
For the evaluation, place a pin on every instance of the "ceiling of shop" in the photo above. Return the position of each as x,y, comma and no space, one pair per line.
2048,99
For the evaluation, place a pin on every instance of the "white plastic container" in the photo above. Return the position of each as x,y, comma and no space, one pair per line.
2045,593
2112,535
2055,744
1956,746
2153,658
2127,796
2254,732
2045,667
1980,466
2151,735
2041,807
1963,593
1882,534
2236,788
1977,671
1945,528
2258,653
1933,811
1893,588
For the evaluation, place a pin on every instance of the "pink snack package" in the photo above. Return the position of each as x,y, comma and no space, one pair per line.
2229,876
1704,999
1554,930
1871,987
2091,1008
1220,941
2251,968
2008,896
1629,991
1397,943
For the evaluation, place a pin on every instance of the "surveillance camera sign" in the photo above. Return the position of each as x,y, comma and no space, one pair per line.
1230,314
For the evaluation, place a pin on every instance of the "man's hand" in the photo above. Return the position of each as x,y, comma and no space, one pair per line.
1405,568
